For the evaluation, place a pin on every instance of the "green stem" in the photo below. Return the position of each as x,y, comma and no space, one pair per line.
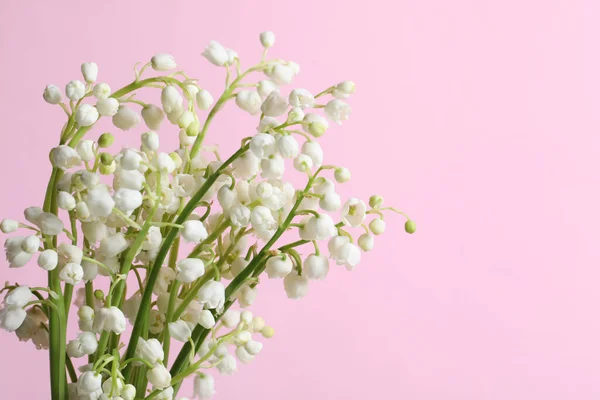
162,254
200,333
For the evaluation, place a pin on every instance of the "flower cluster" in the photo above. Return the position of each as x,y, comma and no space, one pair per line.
194,232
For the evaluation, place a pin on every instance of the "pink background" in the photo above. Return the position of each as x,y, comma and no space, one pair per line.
479,118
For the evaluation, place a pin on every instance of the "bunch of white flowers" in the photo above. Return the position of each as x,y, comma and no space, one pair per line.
109,216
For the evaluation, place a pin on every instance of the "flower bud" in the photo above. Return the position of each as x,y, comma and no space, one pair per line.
105,140
106,159
89,70
281,74
125,118
342,175
314,124
189,269
65,201
265,87
8,225
194,231
75,90
243,355
274,105
107,107
171,99
253,347
267,332
410,226
258,324
377,226
52,94
216,54
193,129
31,244
267,39
64,157
153,116
375,201
344,89
101,91
295,115
204,99
163,62
303,163
249,101
279,266
185,119
366,242
150,141
82,211
86,317
159,377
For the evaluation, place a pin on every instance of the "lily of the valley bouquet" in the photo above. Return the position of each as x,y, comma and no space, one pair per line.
149,247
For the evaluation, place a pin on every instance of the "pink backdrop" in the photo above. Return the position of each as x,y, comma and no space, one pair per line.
479,118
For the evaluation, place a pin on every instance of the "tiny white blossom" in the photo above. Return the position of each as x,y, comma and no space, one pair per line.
163,62
204,386
101,91
274,105
153,116
344,89
194,231
71,273
8,225
337,110
249,101
204,99
189,269
216,54
295,286
265,87
89,70
107,107
75,90
315,124
267,39
125,118
279,266
354,212
52,94
301,98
